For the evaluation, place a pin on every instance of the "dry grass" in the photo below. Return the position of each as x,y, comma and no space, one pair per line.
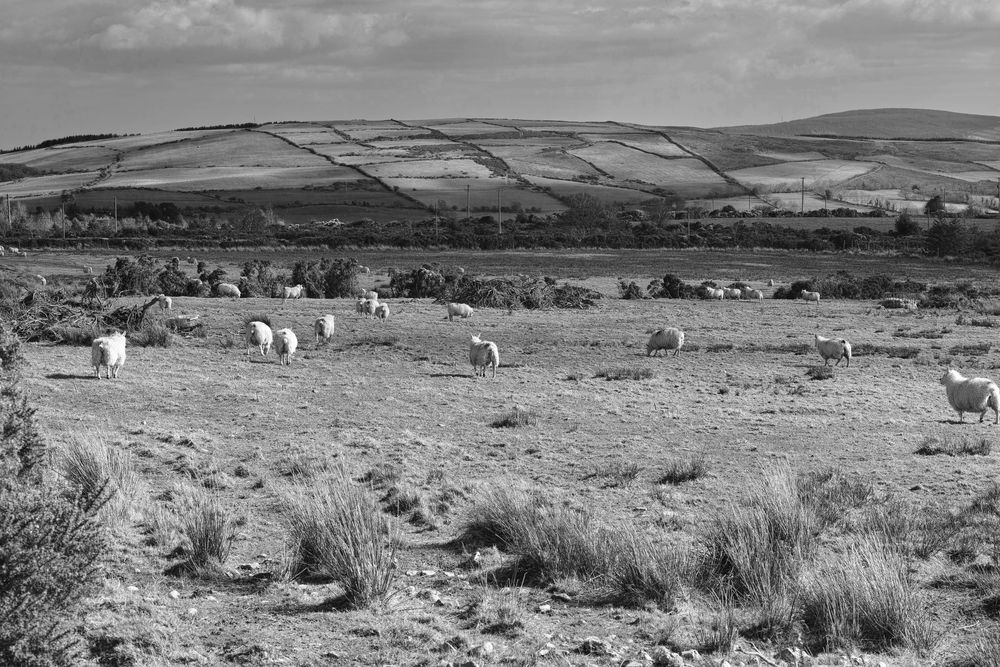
625,373
934,445
684,470
93,467
515,418
209,528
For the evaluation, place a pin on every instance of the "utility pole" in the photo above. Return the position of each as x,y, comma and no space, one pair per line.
499,213
802,206
468,198
10,223
116,216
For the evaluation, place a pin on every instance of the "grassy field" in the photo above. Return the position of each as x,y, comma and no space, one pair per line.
396,404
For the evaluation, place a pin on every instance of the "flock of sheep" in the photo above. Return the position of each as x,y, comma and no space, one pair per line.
964,394
15,252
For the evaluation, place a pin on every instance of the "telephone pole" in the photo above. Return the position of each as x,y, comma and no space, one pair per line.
468,198
802,206
499,212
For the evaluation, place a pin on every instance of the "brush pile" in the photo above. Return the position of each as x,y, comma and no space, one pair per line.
52,316
517,292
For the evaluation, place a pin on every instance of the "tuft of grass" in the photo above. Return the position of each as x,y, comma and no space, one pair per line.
154,335
381,476
618,474
302,463
864,597
227,341
644,571
720,347
337,531
257,317
94,468
515,418
932,446
820,373
972,349
684,470
831,494
497,611
626,373
897,351
209,529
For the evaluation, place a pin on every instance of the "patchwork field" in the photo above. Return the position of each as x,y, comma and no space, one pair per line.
738,399
632,163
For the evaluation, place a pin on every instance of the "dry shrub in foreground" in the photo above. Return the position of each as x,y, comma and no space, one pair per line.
864,598
208,528
338,531
91,466
553,541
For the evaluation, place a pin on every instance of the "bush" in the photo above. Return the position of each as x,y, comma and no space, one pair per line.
429,280
630,290
258,279
518,292
337,531
328,278
128,276
152,335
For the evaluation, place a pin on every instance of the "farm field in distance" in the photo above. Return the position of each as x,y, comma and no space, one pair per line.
396,403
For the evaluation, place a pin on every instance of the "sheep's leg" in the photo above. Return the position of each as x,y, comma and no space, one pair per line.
981,416
676,351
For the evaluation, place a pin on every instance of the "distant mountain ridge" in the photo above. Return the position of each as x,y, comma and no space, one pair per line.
887,123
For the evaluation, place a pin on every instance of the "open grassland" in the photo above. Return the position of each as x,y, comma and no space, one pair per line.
817,174
240,148
231,178
626,163
578,415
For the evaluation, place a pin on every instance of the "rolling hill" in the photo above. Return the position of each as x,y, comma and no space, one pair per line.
311,172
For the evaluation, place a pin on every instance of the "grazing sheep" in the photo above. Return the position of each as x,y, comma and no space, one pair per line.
833,348
373,296
370,306
285,343
715,293
459,310
806,295
108,351
665,339
753,294
382,311
731,293
323,326
259,334
89,270
292,293
971,395
165,302
23,253
12,250
2,252
228,289
483,353
359,306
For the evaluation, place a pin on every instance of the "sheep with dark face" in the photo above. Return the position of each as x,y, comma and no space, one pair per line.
665,339
833,348
971,395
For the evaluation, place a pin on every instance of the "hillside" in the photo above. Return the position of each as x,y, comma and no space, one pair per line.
313,172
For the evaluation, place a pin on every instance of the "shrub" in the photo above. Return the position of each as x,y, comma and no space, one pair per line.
258,279
337,531
820,372
515,419
92,467
630,290
152,335
685,470
131,276
519,292
863,598
429,280
209,529
645,571
932,446
328,278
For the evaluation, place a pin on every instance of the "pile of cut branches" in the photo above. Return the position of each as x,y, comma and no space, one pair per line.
51,317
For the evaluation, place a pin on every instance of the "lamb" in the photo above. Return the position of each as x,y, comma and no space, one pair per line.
228,289
806,295
323,326
359,306
753,294
971,395
108,351
483,353
259,334
292,293
285,343
459,310
833,348
165,302
731,293
665,339
382,311
712,293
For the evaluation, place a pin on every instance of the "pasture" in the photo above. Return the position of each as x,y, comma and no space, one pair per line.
396,404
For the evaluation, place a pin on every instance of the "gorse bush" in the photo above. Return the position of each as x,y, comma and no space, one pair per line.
328,278
258,279
429,280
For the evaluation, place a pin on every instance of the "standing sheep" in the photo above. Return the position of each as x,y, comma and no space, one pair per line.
165,302
833,348
228,290
715,293
359,306
292,293
41,280
971,395
806,295
753,294
665,339
371,295
285,343
459,310
323,326
382,311
108,351
483,353
259,334
732,293
370,306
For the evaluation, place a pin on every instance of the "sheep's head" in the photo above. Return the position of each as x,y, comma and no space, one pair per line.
950,376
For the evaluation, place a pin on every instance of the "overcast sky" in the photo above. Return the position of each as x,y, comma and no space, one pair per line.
85,66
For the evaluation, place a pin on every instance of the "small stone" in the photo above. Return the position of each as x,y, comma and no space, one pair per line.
544,608
664,657
595,646
562,596
211,598
691,655
192,611
484,650
249,566
428,573
133,589
175,595
412,573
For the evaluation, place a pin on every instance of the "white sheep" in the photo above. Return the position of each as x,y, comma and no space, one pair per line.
228,289
483,353
165,302
753,294
833,348
14,251
806,295
371,295
89,270
108,351
770,282
459,310
359,306
665,339
382,311
714,293
732,293
2,251
285,343
324,326
370,306
971,395
41,280
292,293
259,334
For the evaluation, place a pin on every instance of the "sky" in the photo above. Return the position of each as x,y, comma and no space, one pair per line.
124,66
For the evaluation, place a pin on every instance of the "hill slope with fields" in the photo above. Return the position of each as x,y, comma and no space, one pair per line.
312,172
